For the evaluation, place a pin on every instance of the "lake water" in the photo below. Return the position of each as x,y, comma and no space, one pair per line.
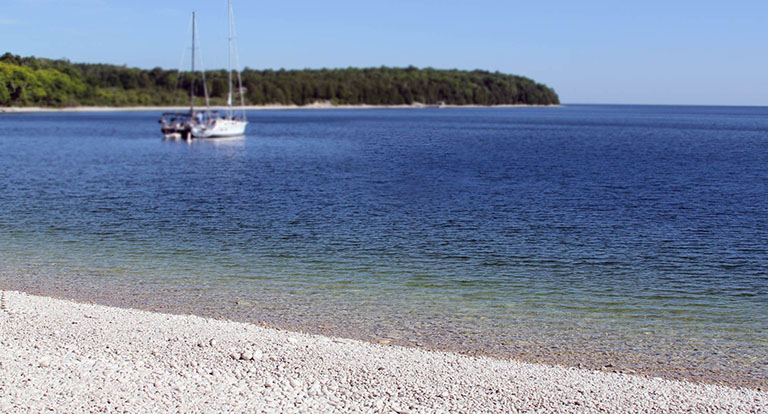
629,236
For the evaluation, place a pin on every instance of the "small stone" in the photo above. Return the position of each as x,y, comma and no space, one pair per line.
235,355
295,383
213,342
247,356
44,362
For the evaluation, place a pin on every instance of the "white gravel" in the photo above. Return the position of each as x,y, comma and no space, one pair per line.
61,356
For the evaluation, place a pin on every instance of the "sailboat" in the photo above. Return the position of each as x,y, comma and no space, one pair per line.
209,123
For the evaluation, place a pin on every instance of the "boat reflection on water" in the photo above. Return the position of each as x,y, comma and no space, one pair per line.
233,141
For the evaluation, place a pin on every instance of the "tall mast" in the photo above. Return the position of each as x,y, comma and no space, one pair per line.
233,36
192,86
229,55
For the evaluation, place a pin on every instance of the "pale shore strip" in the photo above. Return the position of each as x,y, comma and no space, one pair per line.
316,105
62,356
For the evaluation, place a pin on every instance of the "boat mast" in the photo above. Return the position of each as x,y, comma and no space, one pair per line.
192,86
233,37
229,55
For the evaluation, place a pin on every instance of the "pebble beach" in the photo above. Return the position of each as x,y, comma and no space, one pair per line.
62,356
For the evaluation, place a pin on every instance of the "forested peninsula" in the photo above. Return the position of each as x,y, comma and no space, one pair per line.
30,81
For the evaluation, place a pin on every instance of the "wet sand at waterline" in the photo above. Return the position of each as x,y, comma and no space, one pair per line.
600,347
61,355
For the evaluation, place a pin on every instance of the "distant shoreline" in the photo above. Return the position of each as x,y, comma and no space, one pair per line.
317,105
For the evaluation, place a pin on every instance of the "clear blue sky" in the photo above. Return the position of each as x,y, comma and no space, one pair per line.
652,51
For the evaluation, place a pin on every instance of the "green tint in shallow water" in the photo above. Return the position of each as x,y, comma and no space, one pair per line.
629,236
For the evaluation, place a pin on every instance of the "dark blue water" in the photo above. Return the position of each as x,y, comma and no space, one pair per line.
629,235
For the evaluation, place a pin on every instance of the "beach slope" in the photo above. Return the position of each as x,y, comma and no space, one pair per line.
62,356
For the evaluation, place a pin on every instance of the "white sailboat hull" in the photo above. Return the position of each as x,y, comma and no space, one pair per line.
220,127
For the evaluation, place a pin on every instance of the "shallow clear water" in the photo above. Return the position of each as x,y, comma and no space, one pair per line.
635,236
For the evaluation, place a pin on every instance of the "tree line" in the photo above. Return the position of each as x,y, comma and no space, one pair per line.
30,81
